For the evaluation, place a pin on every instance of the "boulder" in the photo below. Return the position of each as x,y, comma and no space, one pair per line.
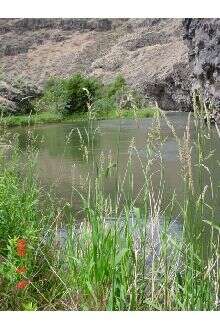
16,98
7,91
7,107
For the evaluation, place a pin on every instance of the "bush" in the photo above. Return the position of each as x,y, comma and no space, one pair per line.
71,95
17,97
68,96
117,85
104,105
7,107
119,93
107,101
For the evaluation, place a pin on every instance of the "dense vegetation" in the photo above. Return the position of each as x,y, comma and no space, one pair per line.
81,94
111,260
77,97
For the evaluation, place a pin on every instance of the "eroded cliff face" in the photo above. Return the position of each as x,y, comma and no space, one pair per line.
203,40
149,53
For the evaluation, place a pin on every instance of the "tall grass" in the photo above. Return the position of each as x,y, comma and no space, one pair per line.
118,256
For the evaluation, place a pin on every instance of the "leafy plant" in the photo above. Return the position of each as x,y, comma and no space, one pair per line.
117,85
104,105
69,95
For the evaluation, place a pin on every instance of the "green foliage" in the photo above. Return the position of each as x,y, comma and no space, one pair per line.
29,120
117,85
106,102
29,306
118,95
102,109
66,97
77,94
71,95
104,105
21,218
15,195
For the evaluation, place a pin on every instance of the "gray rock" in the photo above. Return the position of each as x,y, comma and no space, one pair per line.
202,36
172,92
16,97
7,107
9,92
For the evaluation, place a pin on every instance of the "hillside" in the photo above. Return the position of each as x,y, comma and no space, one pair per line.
149,53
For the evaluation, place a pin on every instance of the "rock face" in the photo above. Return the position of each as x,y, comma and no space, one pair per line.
15,98
203,39
165,59
149,53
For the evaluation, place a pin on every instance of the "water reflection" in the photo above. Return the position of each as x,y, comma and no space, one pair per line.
61,161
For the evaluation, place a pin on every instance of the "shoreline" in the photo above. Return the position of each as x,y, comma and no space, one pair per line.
52,118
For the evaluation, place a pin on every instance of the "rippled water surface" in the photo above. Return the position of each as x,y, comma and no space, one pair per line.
61,163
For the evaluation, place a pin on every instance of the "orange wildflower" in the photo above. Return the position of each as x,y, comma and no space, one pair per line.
21,270
21,247
22,284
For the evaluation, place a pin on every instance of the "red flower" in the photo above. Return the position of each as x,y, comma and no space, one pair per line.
22,284
21,270
21,247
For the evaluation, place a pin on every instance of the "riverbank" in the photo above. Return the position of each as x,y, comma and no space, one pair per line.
53,117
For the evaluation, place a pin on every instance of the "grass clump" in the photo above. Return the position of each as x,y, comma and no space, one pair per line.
20,221
31,119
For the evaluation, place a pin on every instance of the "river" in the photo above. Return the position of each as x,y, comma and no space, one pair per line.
61,162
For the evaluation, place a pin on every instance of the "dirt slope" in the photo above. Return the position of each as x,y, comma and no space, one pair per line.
150,53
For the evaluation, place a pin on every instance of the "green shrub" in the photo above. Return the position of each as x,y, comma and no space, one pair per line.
117,85
107,100
104,105
123,97
68,96
71,95
3,110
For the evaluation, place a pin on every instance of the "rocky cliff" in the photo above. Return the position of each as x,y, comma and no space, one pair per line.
166,59
203,40
149,53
